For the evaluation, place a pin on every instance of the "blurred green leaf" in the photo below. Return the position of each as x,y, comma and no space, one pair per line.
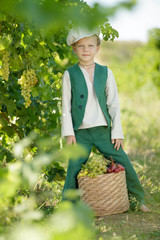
28,231
35,92
72,152
72,221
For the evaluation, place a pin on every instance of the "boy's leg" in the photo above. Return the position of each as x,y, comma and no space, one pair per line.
74,166
102,140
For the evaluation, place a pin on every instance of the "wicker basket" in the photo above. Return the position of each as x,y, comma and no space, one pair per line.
106,194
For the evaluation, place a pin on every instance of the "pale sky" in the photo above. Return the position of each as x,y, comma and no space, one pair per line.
134,24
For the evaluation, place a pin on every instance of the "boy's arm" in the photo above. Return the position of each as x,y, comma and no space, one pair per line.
114,109
67,126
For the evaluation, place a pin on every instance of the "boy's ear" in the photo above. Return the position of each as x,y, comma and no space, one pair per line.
98,47
74,48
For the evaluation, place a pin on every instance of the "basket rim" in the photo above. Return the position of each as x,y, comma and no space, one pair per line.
104,174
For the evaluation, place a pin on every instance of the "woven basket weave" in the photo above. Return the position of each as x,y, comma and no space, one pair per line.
106,194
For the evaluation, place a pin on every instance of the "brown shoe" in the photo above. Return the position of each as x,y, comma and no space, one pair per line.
143,208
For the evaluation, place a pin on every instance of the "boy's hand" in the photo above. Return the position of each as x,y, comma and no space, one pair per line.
117,143
70,140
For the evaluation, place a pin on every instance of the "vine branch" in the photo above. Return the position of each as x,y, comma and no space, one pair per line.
12,125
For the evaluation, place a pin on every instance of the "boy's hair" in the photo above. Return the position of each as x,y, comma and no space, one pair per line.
98,40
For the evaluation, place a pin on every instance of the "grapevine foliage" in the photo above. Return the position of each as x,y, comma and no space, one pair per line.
33,57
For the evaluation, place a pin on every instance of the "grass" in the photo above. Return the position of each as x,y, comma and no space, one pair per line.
139,114
117,52
130,225
142,133
140,109
135,224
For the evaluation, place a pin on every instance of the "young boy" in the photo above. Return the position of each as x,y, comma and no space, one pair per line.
91,112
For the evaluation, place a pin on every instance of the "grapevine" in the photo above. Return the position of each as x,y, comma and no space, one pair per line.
27,81
5,66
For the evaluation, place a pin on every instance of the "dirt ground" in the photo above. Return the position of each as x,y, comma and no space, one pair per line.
129,225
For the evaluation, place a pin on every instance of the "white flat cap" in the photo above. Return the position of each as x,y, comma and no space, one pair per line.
78,33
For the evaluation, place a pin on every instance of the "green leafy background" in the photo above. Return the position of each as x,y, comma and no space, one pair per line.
33,156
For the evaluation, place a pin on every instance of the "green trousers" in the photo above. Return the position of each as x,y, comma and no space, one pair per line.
100,137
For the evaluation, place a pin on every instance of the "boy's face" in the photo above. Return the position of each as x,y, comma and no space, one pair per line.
86,49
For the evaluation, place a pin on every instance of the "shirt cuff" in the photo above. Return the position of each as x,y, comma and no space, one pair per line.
67,126
116,133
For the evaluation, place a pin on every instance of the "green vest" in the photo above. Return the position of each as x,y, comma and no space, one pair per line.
79,92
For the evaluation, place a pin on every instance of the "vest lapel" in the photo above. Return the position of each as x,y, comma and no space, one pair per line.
81,78
99,81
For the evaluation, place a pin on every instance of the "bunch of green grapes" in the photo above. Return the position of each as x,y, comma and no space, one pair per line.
96,165
5,65
27,81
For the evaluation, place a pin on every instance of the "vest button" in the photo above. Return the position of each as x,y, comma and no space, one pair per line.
82,96
80,106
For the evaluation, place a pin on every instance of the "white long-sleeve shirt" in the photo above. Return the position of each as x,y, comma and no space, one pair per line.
93,115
